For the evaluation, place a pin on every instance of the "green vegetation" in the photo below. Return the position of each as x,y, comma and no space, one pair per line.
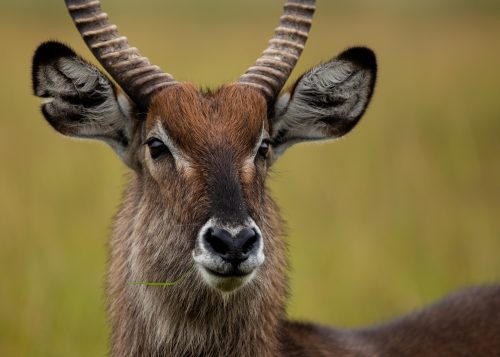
402,211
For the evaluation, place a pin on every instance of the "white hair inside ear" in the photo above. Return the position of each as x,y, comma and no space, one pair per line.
327,101
80,101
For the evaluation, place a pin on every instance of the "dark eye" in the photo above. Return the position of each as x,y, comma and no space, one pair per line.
263,151
156,148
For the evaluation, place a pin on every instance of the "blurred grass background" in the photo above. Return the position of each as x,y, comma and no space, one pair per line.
402,211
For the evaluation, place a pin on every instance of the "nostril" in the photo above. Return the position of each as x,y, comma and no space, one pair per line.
250,244
233,249
218,240
247,239
216,244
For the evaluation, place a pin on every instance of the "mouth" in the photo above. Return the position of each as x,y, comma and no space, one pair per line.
226,281
233,273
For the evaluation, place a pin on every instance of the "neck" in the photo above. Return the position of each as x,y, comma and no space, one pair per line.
189,318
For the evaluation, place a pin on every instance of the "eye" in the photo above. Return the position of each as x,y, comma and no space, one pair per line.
156,148
263,151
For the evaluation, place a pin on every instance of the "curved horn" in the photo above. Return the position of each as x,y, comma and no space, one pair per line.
272,69
133,72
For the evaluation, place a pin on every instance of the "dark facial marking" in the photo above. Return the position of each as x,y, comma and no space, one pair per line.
217,132
223,184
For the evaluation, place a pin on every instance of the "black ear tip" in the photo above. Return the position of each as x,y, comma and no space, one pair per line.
45,55
362,56
49,51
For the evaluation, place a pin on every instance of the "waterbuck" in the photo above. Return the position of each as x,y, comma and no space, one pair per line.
197,210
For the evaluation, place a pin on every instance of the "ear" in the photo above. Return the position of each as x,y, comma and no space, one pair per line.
80,101
327,101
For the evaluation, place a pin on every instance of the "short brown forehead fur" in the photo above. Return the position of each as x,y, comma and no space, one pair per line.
230,117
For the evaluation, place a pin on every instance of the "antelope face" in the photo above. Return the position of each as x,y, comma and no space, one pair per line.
215,148
200,159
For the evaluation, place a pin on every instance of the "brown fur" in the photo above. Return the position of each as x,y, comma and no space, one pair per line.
155,232
153,239
215,175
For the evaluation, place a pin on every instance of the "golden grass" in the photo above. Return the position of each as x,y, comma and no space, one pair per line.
402,211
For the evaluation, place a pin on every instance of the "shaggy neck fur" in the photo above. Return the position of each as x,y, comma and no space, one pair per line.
191,318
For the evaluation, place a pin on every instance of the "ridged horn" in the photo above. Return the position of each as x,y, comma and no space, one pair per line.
133,72
272,69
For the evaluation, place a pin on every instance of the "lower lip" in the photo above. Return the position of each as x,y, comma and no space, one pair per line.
232,275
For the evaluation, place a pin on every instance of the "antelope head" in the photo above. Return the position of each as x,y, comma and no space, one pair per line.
200,159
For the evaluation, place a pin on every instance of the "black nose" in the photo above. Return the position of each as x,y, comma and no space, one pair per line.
233,249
